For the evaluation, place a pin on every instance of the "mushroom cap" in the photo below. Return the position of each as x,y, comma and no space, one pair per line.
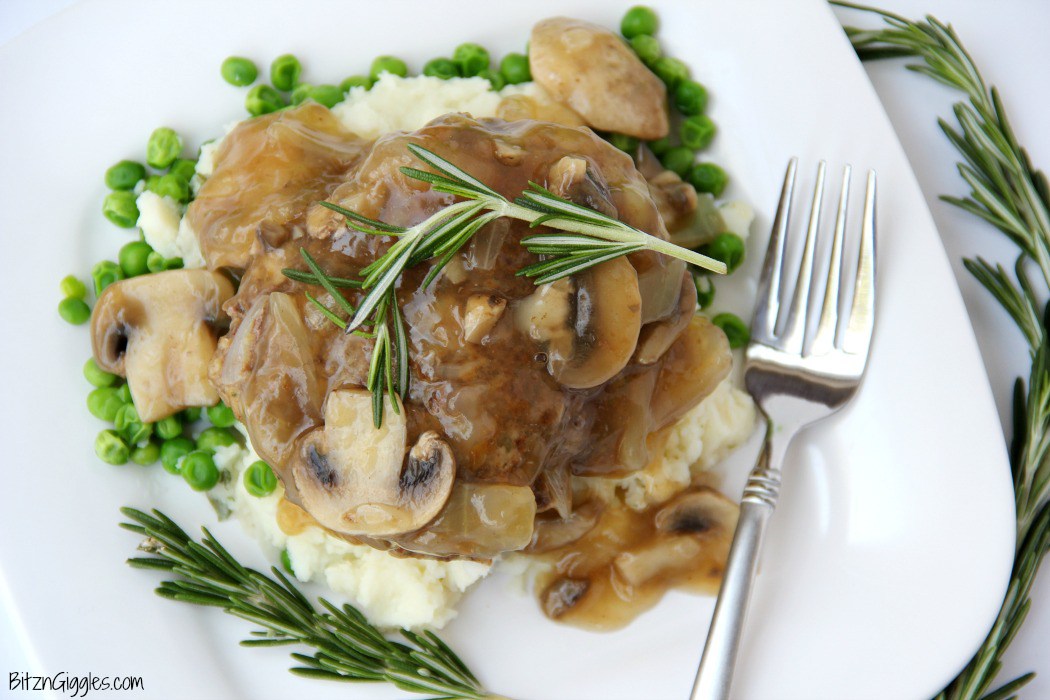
593,70
590,323
160,331
357,479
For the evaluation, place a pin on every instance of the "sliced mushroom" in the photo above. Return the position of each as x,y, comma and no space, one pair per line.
593,71
703,513
692,525
160,331
657,337
482,313
590,326
356,479
563,596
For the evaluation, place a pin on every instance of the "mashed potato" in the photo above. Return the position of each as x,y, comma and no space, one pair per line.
404,592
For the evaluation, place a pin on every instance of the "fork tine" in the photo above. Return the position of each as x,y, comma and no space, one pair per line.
763,324
862,315
794,334
829,314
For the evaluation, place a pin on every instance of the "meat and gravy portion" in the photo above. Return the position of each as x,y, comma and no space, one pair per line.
517,391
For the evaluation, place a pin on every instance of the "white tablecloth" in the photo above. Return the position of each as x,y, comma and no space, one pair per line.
1009,42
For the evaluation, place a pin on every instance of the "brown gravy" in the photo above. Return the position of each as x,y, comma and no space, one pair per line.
512,426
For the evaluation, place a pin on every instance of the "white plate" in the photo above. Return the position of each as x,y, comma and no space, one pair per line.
891,549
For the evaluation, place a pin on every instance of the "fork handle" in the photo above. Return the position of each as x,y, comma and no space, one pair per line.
715,675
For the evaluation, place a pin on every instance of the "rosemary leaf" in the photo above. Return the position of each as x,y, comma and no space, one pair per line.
1008,193
345,647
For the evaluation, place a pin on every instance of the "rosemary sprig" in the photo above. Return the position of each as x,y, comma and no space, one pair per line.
346,647
588,238
593,237
390,349
1007,192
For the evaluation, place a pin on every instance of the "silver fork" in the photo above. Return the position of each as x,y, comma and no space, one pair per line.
795,385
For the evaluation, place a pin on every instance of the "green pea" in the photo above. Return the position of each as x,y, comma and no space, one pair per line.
515,68
697,131
130,425
104,403
263,99
495,79
211,438
286,561
199,470
670,70
443,68
690,97
71,286
111,449
124,175
471,59
221,415
735,330
639,20
163,147
74,311
146,454
660,146
285,71
168,428
155,262
191,414
97,376
239,71
124,392
355,81
120,208
387,64
133,256
171,451
647,48
184,168
678,159
301,93
169,185
727,247
104,274
708,177
705,291
259,479
327,95
627,144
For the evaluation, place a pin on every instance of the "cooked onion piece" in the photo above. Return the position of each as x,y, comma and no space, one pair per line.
160,331
267,373
268,170
480,521
657,337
